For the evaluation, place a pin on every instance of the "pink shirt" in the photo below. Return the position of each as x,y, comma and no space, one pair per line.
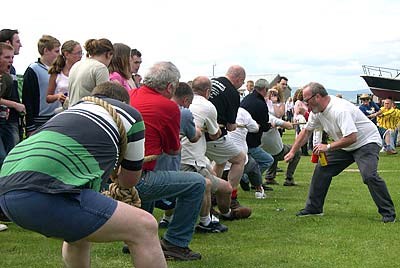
120,79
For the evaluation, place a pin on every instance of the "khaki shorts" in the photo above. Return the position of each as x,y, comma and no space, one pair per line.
221,150
206,174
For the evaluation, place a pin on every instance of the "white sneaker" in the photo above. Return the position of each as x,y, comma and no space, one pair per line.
3,227
260,195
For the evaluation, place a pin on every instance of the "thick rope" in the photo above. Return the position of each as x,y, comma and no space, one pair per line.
130,195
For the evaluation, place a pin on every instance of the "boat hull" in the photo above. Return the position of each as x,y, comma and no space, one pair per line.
383,87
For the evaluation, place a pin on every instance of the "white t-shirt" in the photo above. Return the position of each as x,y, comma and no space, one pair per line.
205,116
245,124
340,119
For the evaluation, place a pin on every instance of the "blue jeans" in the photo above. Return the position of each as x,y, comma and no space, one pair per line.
9,137
188,189
264,159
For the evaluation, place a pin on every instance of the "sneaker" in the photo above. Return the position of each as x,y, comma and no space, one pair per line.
306,213
388,219
260,194
125,250
172,252
271,182
244,185
289,182
213,227
3,227
237,214
163,224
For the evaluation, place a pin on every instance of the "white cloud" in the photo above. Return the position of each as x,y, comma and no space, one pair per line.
309,40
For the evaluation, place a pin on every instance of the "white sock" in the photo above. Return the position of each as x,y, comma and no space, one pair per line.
168,218
227,214
205,220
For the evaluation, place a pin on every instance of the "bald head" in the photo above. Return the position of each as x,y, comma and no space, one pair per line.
236,75
201,85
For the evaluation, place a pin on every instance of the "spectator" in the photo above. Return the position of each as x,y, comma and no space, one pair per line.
120,66
87,74
71,52
36,82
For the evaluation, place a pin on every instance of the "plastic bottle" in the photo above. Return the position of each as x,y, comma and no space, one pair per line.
317,139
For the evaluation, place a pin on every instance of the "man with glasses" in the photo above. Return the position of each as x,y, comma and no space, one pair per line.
355,139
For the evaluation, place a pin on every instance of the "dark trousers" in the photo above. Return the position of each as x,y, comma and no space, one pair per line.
366,158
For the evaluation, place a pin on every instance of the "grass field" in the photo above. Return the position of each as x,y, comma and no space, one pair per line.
350,234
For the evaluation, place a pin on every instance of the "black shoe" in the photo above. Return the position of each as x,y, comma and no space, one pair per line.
213,227
245,186
271,182
306,213
289,183
172,252
3,217
125,250
388,219
266,187
163,224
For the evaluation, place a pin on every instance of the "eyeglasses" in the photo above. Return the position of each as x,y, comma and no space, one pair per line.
78,53
307,100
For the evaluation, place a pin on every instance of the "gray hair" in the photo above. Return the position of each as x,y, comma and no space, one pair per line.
261,84
317,88
161,74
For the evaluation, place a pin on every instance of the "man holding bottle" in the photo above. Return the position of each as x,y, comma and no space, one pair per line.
355,139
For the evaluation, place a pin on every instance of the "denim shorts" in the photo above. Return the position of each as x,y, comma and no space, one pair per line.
67,216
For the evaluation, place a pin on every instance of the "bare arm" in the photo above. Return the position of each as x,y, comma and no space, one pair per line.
197,136
301,139
51,97
128,178
216,135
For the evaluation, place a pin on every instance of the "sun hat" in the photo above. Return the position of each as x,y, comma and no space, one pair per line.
365,96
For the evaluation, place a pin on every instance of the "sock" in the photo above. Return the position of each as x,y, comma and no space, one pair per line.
206,220
234,194
227,214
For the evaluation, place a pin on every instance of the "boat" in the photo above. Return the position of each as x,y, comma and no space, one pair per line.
383,82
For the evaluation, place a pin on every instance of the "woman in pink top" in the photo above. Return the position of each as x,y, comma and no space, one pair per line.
120,67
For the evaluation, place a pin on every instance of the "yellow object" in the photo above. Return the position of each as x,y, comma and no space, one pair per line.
322,159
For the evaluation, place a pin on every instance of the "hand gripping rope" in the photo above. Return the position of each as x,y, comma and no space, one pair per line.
126,195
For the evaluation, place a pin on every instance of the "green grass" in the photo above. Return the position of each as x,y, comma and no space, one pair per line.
350,233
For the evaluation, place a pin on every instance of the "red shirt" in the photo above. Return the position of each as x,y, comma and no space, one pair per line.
161,117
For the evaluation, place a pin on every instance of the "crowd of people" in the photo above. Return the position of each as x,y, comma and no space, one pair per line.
81,126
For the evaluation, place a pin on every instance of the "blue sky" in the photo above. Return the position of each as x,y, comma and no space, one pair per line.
309,40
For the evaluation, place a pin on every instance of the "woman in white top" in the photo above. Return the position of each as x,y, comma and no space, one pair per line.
71,52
